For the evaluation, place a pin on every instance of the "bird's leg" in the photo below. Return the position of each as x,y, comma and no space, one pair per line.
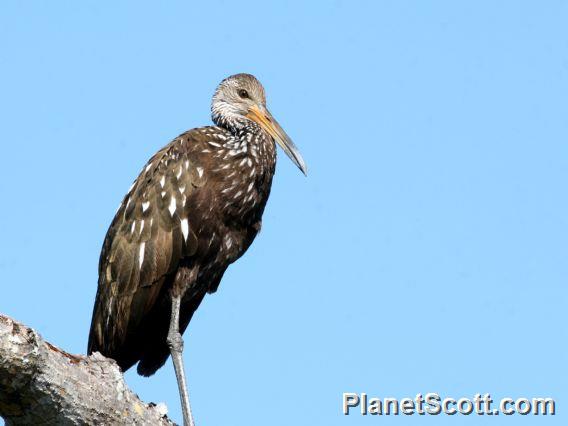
175,343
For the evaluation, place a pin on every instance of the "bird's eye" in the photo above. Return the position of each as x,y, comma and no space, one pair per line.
243,93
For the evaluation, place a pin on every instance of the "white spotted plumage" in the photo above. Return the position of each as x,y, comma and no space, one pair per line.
172,206
141,254
185,228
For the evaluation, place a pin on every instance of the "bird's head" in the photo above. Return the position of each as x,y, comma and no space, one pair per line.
239,101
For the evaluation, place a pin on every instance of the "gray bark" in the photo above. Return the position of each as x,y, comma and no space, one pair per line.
43,385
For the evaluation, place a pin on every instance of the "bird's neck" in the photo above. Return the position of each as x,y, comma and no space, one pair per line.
247,162
223,117
255,151
249,140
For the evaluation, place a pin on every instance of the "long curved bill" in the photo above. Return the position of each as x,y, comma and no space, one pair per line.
271,126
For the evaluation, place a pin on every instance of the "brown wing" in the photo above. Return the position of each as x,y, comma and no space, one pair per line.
148,237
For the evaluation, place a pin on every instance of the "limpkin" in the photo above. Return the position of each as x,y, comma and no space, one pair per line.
194,209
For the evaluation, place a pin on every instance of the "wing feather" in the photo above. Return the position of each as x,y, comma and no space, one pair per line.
144,244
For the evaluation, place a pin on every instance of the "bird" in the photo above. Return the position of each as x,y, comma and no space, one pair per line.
194,209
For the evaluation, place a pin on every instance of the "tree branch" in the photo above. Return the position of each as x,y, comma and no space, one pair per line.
41,384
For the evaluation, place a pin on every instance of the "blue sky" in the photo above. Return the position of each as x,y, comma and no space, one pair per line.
425,251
